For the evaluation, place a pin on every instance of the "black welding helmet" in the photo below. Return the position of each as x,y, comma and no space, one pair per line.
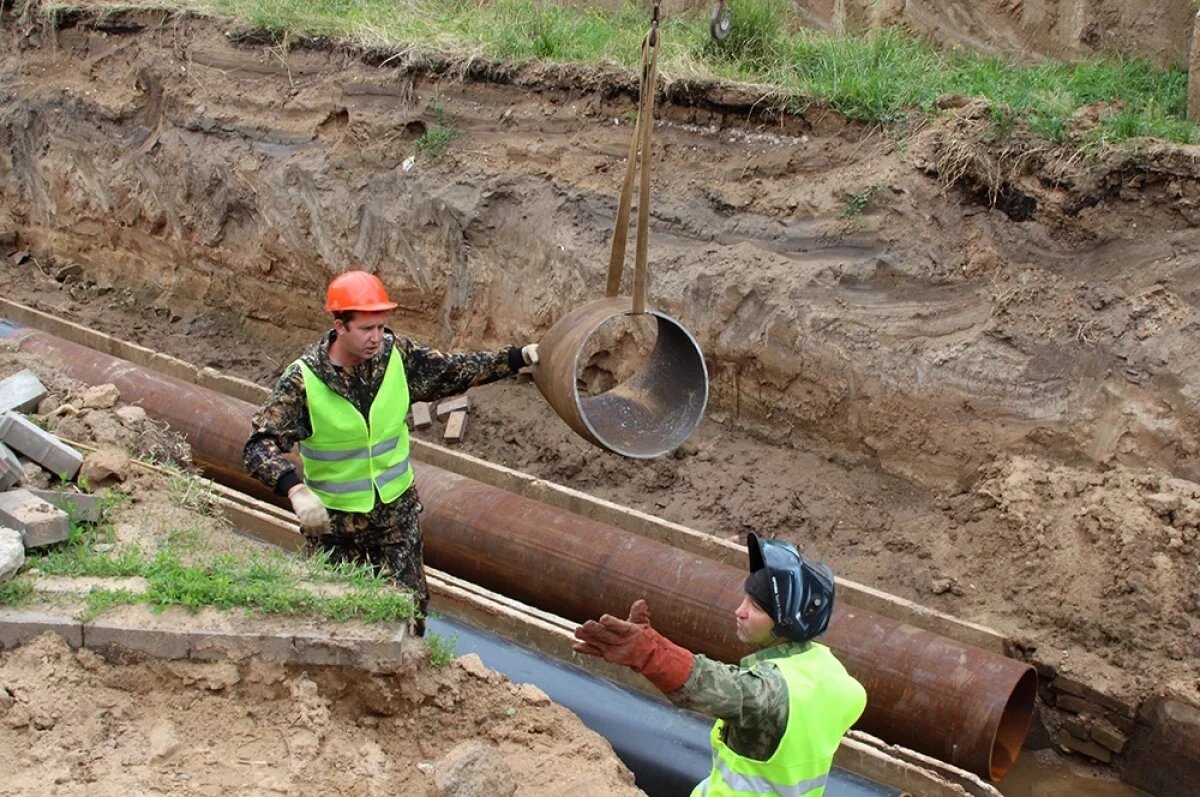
801,590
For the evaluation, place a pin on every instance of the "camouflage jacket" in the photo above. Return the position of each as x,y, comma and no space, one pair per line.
283,420
751,697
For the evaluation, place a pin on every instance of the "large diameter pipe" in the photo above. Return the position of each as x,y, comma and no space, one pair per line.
961,704
650,413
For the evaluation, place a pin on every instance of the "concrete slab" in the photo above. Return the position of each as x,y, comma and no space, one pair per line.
367,652
54,455
22,392
80,506
39,522
115,635
18,626
460,404
239,646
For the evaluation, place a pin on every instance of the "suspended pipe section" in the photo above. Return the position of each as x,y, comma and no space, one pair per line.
960,704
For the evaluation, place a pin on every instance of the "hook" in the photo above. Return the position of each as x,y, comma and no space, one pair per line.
721,21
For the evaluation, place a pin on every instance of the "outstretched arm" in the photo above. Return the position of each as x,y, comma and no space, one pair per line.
636,645
434,375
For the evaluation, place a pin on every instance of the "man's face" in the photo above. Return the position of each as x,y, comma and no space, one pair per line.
360,338
754,624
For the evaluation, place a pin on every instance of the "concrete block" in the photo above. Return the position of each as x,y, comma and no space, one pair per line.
22,392
456,427
39,445
319,649
1163,756
315,648
18,626
420,415
10,468
112,636
39,522
240,646
79,506
460,404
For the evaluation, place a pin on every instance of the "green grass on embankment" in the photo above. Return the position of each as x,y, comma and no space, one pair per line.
881,77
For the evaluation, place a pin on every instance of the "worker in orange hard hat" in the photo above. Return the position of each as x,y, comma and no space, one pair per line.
345,402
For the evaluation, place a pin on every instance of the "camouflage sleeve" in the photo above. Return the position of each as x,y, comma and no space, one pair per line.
277,425
753,703
434,375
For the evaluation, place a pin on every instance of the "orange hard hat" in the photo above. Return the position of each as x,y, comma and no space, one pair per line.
357,290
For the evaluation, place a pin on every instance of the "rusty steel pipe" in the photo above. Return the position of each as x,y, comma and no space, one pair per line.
649,414
961,704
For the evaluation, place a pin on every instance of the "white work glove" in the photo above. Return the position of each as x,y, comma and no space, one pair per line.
530,354
314,519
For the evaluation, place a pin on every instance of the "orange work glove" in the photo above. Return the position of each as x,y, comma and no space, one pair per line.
636,645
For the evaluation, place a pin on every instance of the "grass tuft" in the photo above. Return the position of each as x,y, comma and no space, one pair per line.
268,582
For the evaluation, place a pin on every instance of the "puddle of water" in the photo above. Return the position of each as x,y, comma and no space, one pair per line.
1050,775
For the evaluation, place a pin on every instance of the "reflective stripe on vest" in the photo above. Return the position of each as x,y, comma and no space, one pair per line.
348,458
823,702
748,784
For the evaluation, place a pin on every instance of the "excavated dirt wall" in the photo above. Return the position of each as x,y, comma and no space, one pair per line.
838,286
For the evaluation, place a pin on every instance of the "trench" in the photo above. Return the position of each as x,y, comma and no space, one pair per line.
676,739
665,748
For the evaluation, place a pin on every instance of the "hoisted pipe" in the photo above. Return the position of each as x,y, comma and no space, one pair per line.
961,704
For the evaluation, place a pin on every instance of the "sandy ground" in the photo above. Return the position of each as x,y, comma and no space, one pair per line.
73,723
959,370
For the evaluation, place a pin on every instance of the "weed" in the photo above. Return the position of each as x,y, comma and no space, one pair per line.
99,601
442,650
435,140
191,492
15,593
858,203
265,582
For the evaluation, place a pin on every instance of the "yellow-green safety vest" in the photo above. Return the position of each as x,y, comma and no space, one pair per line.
823,702
347,459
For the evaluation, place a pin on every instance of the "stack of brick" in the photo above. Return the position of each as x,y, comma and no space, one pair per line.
38,521
1092,723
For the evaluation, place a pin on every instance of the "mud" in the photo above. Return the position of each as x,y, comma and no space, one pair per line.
960,370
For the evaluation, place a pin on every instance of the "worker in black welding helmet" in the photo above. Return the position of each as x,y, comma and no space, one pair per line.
780,713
